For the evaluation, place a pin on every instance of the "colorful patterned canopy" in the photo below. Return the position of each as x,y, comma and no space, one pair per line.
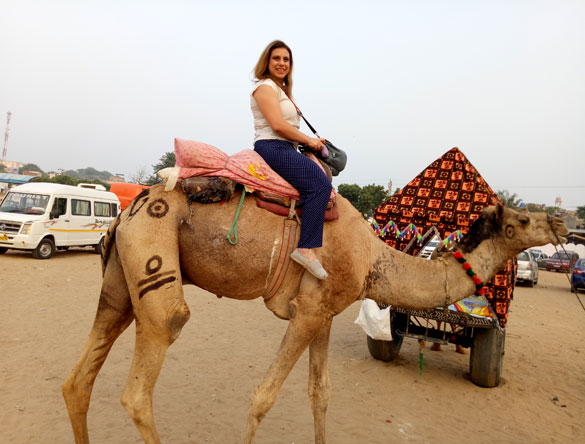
449,195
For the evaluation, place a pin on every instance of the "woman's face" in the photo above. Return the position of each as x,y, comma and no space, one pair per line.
279,63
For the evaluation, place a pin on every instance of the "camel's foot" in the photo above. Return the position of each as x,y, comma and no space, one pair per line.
460,350
436,347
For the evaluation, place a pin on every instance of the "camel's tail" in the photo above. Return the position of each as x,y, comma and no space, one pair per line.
109,242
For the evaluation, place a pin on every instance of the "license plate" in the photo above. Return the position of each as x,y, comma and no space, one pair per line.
3,237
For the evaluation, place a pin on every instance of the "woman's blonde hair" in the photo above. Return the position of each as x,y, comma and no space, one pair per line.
261,70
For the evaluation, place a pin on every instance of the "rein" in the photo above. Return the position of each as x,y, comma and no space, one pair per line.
573,290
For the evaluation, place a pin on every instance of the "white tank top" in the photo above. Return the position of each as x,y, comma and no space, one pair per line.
262,129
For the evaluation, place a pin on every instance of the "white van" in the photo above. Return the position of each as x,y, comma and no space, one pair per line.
44,217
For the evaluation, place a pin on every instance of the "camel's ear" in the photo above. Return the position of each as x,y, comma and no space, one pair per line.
499,212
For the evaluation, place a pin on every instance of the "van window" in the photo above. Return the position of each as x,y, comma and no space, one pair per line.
113,209
101,209
80,207
59,207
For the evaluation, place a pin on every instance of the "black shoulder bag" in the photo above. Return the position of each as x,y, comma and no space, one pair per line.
335,157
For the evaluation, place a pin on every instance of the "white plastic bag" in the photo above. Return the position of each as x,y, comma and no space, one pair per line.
374,321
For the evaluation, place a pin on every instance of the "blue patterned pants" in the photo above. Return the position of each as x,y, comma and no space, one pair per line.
310,181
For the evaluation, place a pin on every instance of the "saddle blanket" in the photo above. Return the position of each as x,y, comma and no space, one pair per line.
246,167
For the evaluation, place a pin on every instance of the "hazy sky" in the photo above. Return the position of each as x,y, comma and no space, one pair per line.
110,84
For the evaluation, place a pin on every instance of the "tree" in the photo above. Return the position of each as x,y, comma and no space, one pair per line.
30,167
365,199
350,192
2,168
167,160
510,200
370,197
140,176
581,212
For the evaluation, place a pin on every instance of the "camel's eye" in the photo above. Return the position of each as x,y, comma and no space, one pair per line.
523,219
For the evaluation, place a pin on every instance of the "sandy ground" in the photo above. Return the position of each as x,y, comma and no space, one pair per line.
204,390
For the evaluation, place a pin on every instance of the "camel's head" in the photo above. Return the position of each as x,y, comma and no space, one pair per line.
518,230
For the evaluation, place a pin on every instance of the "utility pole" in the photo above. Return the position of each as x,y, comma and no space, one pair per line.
5,149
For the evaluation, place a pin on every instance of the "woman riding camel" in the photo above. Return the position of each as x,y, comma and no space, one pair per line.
277,135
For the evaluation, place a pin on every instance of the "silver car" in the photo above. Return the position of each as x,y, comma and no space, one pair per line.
527,268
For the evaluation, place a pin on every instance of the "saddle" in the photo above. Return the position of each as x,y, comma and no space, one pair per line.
207,175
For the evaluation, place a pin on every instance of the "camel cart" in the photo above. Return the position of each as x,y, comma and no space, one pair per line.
439,206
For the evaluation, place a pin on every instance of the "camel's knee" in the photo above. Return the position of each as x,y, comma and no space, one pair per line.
76,394
164,321
177,320
138,407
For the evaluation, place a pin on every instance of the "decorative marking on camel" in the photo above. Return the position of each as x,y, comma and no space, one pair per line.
153,265
136,206
158,208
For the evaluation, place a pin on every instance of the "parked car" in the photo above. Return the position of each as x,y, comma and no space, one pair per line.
527,268
561,261
542,261
578,275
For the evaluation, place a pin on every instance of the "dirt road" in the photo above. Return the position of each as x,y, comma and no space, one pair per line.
205,387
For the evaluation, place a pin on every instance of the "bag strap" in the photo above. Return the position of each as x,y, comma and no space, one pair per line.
306,121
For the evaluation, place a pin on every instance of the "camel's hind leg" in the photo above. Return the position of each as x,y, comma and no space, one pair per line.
113,316
319,385
301,330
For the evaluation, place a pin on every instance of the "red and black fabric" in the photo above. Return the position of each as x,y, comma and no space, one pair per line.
449,194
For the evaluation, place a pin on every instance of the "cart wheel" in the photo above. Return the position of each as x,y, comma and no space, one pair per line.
387,350
45,249
487,356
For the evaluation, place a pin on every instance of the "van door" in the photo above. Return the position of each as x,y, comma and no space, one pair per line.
82,229
59,221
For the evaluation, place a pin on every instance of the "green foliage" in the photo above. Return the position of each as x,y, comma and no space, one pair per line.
364,199
167,160
64,179
351,193
2,168
29,167
88,174
510,200
581,212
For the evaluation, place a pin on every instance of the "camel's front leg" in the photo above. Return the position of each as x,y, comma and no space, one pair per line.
114,314
301,331
319,385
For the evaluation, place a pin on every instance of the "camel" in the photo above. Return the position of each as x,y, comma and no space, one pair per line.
161,242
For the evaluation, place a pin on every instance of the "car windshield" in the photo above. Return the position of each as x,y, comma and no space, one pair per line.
523,256
581,263
25,203
562,256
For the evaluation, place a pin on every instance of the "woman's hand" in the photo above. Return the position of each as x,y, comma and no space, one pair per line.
316,144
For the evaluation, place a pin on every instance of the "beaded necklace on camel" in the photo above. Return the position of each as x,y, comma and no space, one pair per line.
477,281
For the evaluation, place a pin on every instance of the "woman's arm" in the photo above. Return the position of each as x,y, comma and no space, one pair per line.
265,96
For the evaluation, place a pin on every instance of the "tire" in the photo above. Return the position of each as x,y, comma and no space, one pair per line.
99,246
487,356
530,283
386,351
45,250
3,250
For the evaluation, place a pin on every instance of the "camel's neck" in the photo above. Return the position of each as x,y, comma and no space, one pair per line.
399,279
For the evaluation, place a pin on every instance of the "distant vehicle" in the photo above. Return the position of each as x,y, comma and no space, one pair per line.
561,261
578,275
44,217
527,268
126,192
542,261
